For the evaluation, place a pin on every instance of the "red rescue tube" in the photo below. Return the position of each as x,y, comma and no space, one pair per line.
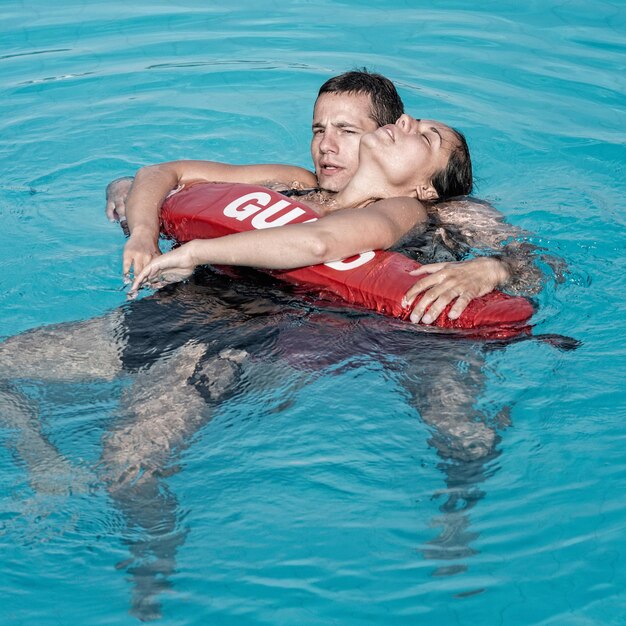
375,280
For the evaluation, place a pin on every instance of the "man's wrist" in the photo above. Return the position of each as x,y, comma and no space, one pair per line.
144,233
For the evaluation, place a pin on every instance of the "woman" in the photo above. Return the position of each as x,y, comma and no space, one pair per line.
401,165
184,347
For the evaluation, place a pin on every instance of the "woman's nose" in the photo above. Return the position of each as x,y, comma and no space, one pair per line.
405,121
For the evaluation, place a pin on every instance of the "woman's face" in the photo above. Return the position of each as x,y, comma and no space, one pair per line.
409,153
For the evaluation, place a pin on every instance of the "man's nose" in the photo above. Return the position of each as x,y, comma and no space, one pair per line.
328,143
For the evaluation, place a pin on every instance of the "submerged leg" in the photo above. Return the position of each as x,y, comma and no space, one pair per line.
49,472
72,351
452,546
446,383
165,406
153,535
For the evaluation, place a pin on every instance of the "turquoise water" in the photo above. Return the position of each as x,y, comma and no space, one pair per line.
316,495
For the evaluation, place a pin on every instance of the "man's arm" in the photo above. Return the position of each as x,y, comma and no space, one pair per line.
484,228
152,184
510,261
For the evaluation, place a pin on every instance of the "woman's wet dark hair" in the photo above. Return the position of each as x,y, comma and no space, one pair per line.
386,104
456,178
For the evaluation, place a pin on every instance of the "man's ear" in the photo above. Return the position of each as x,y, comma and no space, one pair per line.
427,193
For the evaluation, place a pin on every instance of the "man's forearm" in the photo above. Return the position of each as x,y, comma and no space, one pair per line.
484,230
143,205
523,275
529,267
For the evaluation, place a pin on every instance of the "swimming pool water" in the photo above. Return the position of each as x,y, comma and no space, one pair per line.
316,495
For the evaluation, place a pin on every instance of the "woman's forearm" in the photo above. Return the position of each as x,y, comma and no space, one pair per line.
280,249
336,236
272,248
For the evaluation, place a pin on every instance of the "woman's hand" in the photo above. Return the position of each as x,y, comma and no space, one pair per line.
462,281
170,267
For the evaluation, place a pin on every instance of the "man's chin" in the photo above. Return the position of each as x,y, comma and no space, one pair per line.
329,183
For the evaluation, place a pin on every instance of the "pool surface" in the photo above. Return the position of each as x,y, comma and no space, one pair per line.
317,490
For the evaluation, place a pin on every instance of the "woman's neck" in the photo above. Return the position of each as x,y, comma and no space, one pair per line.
352,196
358,193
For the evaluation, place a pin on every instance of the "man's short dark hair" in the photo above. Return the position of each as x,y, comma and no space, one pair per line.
386,104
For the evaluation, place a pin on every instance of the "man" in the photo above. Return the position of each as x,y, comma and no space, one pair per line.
183,349
358,102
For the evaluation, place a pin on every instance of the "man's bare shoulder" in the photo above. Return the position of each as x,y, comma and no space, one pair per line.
477,221
467,210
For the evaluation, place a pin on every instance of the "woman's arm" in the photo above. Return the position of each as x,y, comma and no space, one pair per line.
153,183
336,236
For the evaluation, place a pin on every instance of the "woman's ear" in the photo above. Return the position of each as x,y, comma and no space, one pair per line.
427,193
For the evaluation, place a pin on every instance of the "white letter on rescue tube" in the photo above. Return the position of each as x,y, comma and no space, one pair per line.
261,220
343,266
234,209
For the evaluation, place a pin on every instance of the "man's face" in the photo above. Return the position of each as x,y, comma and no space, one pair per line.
339,120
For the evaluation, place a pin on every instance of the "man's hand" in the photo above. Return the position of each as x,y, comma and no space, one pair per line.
170,267
139,250
117,191
462,281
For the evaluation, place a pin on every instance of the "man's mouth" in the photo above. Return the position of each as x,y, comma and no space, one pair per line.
330,168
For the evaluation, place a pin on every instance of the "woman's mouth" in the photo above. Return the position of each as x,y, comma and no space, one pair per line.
389,129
